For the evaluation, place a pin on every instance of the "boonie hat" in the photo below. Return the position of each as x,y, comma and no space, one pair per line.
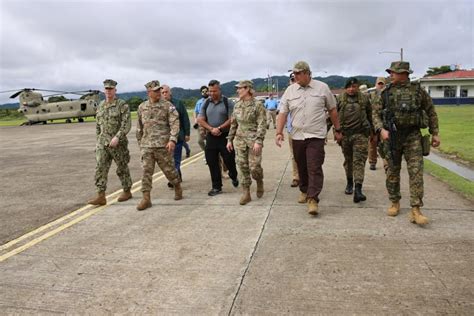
399,67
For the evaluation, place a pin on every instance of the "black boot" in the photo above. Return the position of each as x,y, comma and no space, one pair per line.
349,186
358,196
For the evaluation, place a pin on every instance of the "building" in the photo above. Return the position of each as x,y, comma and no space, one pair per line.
451,88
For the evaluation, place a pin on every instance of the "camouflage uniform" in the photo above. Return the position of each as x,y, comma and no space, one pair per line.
413,109
248,126
355,117
158,123
113,119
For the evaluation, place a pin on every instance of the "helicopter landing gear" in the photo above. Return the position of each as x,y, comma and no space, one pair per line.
80,120
68,121
45,122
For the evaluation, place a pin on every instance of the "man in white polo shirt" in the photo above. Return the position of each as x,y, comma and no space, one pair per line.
307,102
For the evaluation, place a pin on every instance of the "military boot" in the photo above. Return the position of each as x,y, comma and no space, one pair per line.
99,199
178,192
349,186
312,206
358,195
125,196
394,209
302,198
417,217
260,189
245,198
145,202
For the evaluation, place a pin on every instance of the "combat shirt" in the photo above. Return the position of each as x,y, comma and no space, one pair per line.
158,123
248,122
308,106
112,119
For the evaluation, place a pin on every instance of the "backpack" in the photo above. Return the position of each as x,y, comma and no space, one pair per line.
208,100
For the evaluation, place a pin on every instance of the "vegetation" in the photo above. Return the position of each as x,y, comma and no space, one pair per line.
438,70
458,183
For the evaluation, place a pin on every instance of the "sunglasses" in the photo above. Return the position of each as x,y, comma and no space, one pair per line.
380,83
241,88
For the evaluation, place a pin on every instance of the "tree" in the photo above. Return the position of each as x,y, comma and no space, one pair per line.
134,102
438,70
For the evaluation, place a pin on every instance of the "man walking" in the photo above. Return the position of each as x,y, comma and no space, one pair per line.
403,109
373,140
113,123
271,105
157,134
215,117
307,102
184,128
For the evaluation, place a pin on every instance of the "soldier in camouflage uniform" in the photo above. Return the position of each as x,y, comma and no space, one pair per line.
373,140
246,135
355,119
157,134
113,122
410,108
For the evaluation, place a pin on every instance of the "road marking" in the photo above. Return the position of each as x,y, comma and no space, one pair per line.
157,176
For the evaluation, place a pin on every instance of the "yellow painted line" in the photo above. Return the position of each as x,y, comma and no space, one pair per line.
76,220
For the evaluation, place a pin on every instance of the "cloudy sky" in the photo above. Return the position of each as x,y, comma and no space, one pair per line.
74,45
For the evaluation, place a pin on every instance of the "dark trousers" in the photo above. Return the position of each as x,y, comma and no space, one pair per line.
178,154
216,145
309,155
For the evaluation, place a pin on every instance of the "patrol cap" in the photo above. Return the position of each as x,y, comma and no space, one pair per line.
301,66
380,79
244,83
363,88
110,84
153,85
399,67
350,81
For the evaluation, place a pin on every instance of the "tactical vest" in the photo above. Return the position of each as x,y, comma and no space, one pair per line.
405,104
364,125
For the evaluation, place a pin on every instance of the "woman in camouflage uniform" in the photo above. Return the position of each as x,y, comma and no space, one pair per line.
246,135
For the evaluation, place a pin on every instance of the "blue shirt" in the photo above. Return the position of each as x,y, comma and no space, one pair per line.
271,104
199,103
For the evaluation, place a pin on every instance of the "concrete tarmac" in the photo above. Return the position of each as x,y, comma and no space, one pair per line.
210,256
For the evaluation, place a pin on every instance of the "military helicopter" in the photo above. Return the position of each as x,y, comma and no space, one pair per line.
38,110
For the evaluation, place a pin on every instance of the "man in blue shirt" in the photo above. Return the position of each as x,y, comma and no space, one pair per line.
271,105
197,110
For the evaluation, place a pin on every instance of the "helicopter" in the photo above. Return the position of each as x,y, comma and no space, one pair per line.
37,109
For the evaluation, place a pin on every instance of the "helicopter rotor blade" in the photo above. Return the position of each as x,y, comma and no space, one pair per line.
13,96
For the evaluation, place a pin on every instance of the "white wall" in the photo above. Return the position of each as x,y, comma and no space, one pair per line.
436,92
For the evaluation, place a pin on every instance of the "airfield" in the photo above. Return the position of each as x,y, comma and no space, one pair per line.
211,256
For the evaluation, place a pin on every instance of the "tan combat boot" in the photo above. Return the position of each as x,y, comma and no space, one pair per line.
394,209
302,198
417,217
125,196
178,192
145,202
99,199
260,189
312,206
245,198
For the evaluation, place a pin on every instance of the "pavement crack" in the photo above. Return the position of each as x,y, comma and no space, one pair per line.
258,240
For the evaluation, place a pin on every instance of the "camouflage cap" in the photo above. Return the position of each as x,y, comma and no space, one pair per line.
380,79
153,85
244,83
109,83
301,66
399,67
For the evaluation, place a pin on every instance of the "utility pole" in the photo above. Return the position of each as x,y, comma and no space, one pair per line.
401,53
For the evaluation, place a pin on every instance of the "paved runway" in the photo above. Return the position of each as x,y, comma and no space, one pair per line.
209,255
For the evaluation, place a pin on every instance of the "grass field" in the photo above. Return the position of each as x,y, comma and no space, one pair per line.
456,182
457,131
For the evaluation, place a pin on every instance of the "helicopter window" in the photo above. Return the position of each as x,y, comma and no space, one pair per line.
44,110
59,108
37,112
83,106
71,107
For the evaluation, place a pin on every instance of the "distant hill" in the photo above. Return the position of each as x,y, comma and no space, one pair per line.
228,88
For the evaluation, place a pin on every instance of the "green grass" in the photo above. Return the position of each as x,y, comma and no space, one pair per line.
456,182
456,125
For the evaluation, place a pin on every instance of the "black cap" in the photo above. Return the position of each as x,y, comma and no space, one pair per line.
351,81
